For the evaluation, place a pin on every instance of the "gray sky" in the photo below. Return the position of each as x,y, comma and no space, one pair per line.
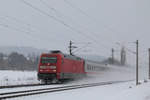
101,22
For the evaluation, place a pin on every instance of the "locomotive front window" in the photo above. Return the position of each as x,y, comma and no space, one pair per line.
48,60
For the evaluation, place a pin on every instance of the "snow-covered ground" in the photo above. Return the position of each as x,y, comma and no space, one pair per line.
17,77
120,91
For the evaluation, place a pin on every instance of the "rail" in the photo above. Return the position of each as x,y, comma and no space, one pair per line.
55,89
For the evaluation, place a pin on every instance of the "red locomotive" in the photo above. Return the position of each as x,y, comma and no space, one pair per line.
56,66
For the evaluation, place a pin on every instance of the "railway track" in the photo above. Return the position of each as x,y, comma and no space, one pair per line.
23,85
26,85
50,90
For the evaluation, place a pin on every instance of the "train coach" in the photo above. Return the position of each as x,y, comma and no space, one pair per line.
58,67
94,67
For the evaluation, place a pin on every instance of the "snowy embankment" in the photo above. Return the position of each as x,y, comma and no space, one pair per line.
120,91
17,77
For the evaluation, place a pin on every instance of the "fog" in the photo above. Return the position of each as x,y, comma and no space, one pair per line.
100,22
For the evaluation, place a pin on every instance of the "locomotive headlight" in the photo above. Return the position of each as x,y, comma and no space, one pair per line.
42,67
52,67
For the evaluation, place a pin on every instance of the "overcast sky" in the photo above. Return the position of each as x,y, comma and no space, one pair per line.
100,22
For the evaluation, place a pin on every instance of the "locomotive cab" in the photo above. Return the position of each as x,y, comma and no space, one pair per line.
48,67
48,64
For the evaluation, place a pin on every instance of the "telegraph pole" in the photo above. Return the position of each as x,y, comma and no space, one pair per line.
137,62
71,47
112,55
149,63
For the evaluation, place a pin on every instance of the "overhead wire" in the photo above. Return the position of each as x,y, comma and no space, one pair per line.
26,31
83,47
140,58
59,21
51,8
58,13
85,14
68,2
94,36
50,16
75,7
28,27
16,29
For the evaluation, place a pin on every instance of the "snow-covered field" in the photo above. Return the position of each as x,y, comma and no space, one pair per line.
121,91
17,77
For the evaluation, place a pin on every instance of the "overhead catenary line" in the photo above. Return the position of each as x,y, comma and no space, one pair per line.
33,29
75,7
92,33
94,36
60,21
83,12
10,27
34,38
16,29
55,10
51,8
68,2
50,16
27,26
83,47
60,15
